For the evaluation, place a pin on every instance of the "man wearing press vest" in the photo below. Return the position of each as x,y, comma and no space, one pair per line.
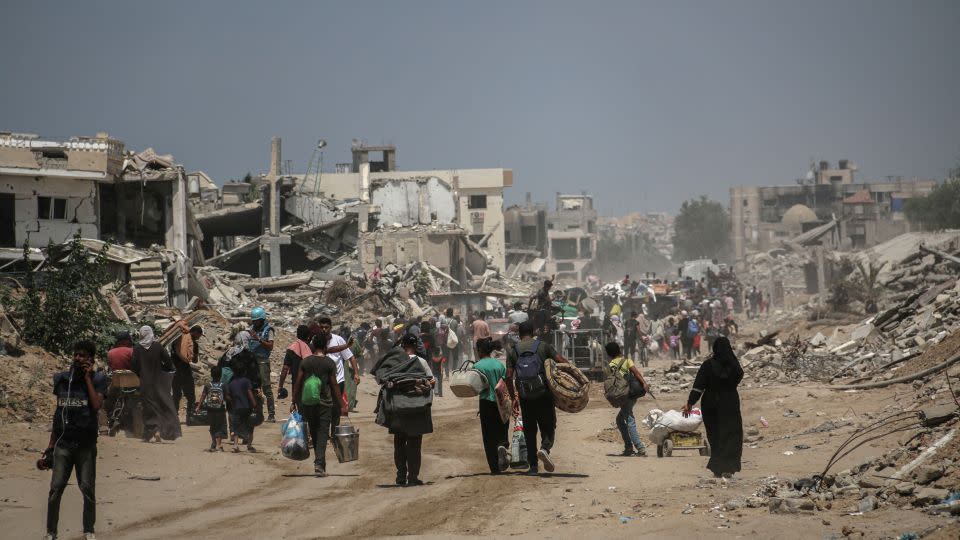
527,379
73,439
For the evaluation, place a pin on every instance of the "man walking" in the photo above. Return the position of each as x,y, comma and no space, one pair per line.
73,438
315,391
449,325
261,345
337,349
480,329
183,355
527,380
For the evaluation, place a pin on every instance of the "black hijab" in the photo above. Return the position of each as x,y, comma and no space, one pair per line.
724,362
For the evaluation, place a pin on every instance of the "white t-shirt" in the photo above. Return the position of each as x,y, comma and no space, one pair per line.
517,317
339,357
424,364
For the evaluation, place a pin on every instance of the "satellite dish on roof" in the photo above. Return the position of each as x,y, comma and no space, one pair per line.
809,175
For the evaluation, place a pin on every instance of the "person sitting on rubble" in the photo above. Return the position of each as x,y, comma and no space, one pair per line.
716,383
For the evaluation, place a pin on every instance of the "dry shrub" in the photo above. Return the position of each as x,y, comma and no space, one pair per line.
340,291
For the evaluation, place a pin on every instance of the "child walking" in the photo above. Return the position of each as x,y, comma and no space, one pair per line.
213,400
240,399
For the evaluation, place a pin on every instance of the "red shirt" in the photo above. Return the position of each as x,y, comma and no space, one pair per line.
120,357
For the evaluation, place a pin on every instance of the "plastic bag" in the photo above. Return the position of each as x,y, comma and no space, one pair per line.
293,444
518,449
661,424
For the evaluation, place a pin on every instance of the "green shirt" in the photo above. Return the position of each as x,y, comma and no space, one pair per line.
494,371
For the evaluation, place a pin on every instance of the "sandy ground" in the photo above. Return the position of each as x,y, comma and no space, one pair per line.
594,491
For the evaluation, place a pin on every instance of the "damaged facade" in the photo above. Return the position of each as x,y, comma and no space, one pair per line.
469,198
562,242
51,190
763,217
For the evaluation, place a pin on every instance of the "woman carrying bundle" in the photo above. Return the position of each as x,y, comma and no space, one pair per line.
492,427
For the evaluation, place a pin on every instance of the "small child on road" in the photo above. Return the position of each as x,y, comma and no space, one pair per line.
213,400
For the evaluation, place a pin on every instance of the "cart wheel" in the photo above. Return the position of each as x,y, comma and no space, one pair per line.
660,450
705,451
667,448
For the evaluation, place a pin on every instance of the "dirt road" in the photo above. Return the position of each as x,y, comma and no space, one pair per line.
594,491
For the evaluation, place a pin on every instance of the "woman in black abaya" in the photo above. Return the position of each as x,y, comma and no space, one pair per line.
716,383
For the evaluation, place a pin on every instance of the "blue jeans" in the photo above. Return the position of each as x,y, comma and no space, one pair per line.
627,425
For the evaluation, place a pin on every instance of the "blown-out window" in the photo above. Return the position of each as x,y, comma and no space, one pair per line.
51,208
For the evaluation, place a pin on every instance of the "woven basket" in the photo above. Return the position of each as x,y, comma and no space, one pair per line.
569,386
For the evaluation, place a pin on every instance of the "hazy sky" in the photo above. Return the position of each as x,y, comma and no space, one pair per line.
642,104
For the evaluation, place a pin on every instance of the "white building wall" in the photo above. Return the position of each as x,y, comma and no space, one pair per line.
465,182
81,208
414,202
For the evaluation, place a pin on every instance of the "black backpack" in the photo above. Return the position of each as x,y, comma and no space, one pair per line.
528,373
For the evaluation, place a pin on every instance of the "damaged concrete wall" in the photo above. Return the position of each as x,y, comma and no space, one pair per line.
402,247
80,211
412,202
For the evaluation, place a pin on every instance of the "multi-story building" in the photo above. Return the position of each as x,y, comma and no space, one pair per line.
764,216
471,198
571,237
525,234
51,190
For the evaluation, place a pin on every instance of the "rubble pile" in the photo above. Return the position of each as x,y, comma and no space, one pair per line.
924,291
922,472
761,269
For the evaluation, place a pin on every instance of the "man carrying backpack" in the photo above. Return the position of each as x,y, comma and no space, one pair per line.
526,379
315,391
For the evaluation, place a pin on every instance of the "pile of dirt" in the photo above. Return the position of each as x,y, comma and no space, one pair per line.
26,385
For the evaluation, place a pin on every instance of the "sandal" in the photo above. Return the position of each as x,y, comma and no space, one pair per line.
251,449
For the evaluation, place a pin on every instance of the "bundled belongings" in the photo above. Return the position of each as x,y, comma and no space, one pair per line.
467,382
620,387
293,444
405,393
569,386
661,424
504,403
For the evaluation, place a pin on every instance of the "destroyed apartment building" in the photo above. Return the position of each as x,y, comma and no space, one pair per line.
366,220
847,214
52,190
561,243
175,239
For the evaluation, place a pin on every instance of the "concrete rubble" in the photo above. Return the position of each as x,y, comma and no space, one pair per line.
912,341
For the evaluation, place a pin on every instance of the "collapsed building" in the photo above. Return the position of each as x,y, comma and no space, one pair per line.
472,199
561,243
52,190
847,214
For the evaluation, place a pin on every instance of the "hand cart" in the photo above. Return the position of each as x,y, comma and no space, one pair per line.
679,440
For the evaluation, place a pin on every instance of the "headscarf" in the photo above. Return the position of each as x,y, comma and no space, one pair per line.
146,336
724,362
240,342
